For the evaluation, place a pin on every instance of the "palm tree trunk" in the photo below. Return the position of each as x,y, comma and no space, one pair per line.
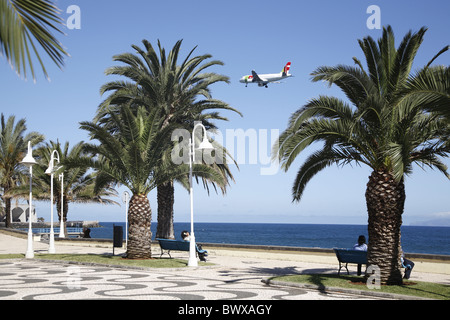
165,195
139,233
65,212
166,200
385,200
8,222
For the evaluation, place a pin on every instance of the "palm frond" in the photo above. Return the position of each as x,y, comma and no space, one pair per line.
352,81
404,59
430,88
22,22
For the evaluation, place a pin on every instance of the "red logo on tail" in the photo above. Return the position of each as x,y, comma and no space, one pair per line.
287,67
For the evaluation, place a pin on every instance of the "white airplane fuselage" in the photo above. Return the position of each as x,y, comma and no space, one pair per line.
263,79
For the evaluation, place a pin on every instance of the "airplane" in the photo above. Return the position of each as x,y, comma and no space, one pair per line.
263,79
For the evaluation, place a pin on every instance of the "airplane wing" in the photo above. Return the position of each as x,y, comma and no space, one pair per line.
256,77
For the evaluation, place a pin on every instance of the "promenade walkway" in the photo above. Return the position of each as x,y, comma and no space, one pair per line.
236,274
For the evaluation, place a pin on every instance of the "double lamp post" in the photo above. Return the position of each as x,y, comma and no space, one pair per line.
29,161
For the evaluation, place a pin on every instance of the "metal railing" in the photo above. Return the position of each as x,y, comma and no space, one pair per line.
70,230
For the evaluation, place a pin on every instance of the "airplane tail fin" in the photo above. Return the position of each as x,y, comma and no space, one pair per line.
286,69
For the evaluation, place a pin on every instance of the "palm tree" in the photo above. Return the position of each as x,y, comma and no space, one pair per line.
132,157
20,22
13,147
159,81
384,128
79,183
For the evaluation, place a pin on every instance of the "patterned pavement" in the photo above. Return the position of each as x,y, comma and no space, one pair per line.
42,280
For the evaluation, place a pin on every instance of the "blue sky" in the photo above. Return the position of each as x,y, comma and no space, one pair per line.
245,35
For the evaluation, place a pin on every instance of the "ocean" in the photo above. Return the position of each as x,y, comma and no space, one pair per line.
415,239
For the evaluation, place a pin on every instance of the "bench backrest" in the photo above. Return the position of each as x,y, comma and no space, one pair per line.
169,244
351,256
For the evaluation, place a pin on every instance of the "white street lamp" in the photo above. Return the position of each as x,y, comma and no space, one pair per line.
49,171
125,199
29,162
204,145
61,221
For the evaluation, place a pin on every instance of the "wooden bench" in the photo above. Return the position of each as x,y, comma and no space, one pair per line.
346,256
177,245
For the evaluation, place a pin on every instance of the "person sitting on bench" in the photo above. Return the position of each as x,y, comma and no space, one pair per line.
186,237
409,265
362,246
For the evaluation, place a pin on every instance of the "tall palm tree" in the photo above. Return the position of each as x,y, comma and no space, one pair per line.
182,94
78,183
384,128
13,147
20,22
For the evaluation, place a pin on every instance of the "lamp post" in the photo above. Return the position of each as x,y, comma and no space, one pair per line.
29,162
61,221
49,171
125,199
204,145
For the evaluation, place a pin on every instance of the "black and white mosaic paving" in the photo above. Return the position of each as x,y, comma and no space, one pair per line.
41,280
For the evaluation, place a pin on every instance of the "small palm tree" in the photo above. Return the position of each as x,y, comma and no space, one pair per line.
181,93
385,128
132,157
20,22
78,183
13,147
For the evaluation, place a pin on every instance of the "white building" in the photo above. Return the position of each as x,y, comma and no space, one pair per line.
19,213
